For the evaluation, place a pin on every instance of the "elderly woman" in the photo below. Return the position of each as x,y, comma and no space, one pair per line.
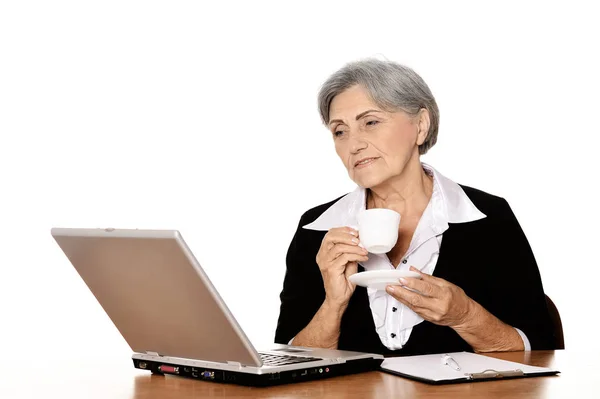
480,288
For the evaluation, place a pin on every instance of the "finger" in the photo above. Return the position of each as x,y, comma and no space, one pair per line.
339,249
343,259
427,277
326,256
339,237
424,287
351,268
350,230
411,299
344,230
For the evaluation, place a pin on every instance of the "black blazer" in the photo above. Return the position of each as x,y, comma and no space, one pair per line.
490,259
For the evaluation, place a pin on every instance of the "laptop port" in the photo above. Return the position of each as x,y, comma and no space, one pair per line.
168,369
143,365
210,375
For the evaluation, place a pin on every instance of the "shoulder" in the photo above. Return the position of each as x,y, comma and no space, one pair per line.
313,213
306,242
491,205
496,208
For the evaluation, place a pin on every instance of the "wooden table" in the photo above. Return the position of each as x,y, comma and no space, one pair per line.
90,377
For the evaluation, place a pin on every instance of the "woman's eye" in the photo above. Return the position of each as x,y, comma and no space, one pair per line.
338,131
372,123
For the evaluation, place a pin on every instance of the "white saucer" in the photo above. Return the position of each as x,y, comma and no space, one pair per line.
379,279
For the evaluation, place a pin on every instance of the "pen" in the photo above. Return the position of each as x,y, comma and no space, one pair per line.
449,361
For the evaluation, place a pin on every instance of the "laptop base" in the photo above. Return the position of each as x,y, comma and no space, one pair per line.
259,380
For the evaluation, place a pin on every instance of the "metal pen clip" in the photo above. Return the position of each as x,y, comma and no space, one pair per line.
490,373
449,361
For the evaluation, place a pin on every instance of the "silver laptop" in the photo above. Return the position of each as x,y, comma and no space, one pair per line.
163,303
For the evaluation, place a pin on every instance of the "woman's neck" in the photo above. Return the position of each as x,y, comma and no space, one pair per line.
408,193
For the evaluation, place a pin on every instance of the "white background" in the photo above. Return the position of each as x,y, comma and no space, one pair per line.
203,118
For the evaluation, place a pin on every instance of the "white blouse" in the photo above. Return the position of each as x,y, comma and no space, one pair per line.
448,204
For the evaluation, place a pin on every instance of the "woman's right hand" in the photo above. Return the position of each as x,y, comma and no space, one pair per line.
338,259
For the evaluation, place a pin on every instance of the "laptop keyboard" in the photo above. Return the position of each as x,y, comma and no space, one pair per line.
282,360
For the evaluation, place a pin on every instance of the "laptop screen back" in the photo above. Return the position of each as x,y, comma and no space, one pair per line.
156,293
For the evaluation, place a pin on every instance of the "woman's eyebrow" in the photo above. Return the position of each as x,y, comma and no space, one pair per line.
365,113
357,116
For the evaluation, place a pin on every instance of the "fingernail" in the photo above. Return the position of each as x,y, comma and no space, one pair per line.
403,281
355,240
354,233
390,289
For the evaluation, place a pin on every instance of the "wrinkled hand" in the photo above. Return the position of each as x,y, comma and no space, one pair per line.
437,301
338,259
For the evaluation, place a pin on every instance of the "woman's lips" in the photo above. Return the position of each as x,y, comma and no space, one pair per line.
364,163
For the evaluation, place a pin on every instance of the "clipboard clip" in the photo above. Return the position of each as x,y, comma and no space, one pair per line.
490,373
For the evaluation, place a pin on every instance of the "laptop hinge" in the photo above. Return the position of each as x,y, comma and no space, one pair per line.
152,353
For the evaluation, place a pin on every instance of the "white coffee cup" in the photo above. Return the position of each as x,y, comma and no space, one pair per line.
378,229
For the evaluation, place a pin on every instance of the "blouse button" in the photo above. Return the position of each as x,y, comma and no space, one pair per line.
394,309
404,261
393,335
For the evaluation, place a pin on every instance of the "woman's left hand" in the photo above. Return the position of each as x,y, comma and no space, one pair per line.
438,301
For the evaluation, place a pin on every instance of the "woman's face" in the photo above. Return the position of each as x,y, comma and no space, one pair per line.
374,145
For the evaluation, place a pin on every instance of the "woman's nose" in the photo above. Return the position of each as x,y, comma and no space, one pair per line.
357,144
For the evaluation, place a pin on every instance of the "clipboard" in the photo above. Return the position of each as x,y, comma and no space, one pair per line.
433,369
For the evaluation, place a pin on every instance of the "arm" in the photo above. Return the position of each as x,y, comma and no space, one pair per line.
302,294
444,303
519,284
523,301
316,289
324,329
514,296
486,333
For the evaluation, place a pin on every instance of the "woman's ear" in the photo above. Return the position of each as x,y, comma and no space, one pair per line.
423,123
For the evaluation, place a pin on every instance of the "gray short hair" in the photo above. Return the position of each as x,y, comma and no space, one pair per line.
392,86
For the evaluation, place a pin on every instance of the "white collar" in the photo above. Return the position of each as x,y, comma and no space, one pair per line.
448,199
